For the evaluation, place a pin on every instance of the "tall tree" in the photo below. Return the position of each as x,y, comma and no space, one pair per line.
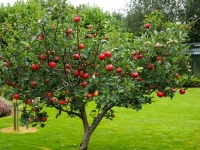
184,11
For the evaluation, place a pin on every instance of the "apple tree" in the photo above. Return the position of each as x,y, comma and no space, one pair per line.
65,61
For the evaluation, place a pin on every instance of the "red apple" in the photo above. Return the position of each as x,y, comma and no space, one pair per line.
66,101
176,76
43,57
135,74
16,96
85,76
76,73
84,84
159,58
6,64
68,66
34,67
81,46
76,56
49,94
89,36
147,26
77,19
69,31
52,64
109,67
119,70
182,91
160,94
61,102
108,54
89,26
151,66
28,102
102,56
88,95
33,83
44,119
66,91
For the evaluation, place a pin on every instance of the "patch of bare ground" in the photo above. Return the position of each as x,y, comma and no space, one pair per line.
20,130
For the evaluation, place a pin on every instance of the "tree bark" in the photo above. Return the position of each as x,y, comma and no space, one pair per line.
88,130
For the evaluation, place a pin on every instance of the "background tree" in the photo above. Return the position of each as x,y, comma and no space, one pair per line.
67,61
185,11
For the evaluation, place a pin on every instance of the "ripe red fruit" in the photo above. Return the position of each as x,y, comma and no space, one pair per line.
46,81
67,71
34,83
109,67
160,94
159,58
49,94
52,64
94,34
84,84
138,79
76,73
134,53
16,96
76,56
89,26
176,76
77,19
61,102
173,90
102,56
44,119
88,95
127,73
108,54
147,26
81,46
119,70
68,66
69,31
34,67
41,37
89,36
56,58
66,101
43,57
85,76
8,83
6,64
182,91
151,66
81,73
28,102
135,74
52,99
67,91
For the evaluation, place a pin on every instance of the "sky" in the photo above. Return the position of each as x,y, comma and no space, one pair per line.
106,5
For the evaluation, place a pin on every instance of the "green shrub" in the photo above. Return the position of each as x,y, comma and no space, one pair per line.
189,81
5,107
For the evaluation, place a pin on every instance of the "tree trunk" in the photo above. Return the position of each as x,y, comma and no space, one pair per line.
88,130
85,141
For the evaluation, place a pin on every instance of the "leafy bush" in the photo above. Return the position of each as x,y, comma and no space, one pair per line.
189,81
5,107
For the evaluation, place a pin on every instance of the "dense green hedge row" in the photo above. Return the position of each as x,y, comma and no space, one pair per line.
190,81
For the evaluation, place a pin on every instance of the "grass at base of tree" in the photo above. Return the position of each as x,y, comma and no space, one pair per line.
166,124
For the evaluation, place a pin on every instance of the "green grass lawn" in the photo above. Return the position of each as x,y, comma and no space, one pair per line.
166,124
